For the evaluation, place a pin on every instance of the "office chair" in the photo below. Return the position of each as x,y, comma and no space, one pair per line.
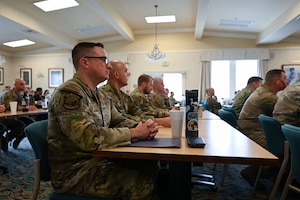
228,117
14,129
276,144
292,133
36,134
230,110
26,121
3,146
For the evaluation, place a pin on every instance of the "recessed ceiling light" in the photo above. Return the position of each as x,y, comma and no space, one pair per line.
51,5
19,43
240,23
160,19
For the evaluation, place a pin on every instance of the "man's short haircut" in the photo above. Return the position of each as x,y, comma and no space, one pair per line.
144,78
272,74
39,89
253,79
83,49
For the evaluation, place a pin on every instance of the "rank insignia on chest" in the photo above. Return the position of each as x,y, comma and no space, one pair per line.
72,101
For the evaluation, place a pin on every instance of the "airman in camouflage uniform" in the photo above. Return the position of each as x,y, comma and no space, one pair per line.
239,100
158,99
287,108
82,120
211,100
118,77
140,96
16,94
261,101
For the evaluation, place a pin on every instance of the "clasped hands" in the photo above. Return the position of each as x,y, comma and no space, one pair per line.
146,129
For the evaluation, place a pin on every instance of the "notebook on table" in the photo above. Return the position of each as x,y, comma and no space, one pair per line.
158,143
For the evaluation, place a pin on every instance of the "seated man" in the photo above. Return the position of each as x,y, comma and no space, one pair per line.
140,96
212,100
287,107
261,101
240,98
82,120
118,78
18,93
158,97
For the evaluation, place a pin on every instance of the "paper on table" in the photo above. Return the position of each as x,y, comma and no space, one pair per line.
158,143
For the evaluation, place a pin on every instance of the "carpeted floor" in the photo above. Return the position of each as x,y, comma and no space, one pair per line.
18,183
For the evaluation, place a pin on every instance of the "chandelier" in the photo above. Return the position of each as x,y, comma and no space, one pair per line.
155,55
2,59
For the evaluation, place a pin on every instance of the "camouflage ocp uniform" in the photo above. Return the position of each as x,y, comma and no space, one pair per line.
145,104
240,99
287,108
124,103
261,101
82,120
213,104
159,101
12,95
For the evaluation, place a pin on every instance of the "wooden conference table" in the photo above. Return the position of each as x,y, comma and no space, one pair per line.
21,113
224,144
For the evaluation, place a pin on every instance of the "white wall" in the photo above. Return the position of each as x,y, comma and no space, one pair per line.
182,51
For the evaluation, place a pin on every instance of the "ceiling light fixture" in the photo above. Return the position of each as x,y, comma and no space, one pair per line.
155,55
19,43
240,23
51,5
160,19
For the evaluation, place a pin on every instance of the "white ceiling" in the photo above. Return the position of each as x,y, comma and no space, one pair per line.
112,20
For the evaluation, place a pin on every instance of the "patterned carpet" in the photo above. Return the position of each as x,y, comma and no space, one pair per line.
18,183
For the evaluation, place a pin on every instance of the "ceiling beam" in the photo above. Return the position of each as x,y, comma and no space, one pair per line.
202,12
282,27
106,9
41,28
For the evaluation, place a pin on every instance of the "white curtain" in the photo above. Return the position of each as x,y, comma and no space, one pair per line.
262,68
205,78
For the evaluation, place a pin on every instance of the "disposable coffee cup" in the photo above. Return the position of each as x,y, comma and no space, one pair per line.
177,119
13,106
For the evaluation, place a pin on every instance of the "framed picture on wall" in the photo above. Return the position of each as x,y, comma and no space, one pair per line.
26,75
1,76
56,77
292,72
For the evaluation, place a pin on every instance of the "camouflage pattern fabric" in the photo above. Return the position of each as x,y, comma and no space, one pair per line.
213,104
287,108
13,96
82,120
240,99
159,101
144,103
261,101
124,104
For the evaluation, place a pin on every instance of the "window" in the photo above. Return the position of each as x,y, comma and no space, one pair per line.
230,76
172,81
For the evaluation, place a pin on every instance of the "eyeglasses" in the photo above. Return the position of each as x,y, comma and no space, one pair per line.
103,58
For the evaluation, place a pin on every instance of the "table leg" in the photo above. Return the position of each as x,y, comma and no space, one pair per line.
180,180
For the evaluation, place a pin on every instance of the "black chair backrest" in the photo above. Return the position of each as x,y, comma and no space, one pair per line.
36,134
228,117
274,136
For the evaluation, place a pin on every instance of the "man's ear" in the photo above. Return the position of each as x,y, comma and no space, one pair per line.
117,75
84,62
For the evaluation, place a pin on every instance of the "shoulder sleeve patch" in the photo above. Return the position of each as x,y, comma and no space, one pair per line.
72,101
